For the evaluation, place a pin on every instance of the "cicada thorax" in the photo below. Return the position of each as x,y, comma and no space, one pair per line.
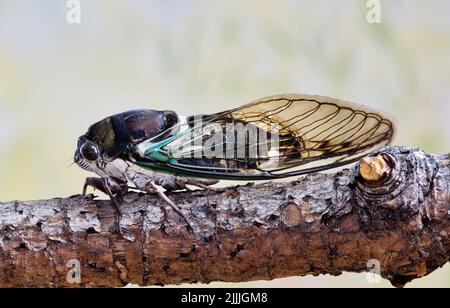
115,134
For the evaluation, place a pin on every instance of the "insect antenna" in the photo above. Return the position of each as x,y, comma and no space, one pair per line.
71,162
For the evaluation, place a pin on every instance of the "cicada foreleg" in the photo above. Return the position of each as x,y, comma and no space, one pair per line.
114,188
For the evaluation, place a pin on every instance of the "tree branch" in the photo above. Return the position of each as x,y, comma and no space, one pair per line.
320,224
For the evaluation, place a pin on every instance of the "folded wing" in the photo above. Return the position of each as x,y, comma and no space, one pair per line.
274,137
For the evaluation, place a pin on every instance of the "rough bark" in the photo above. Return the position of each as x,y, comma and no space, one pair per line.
319,224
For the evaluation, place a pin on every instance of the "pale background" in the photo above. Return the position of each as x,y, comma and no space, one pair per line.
202,56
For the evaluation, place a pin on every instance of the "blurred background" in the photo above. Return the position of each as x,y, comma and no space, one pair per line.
200,56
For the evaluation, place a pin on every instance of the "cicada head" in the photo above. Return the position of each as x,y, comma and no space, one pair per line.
113,136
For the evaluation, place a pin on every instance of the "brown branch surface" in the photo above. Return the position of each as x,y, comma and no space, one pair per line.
319,224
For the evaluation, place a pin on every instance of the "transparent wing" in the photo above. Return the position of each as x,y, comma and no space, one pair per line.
274,137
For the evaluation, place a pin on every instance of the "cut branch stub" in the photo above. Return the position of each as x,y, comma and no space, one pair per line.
375,169
382,178
396,179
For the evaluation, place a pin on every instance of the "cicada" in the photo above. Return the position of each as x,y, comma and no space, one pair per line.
271,138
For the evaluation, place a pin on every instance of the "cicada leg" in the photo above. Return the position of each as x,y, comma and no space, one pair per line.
172,183
114,188
155,188
204,184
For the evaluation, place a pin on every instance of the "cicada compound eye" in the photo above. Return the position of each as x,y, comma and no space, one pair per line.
89,151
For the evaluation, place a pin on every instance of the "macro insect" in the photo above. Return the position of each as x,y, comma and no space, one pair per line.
275,137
